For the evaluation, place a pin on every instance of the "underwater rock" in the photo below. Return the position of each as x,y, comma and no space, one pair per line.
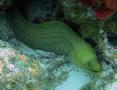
112,38
107,83
41,10
55,67
90,29
109,50
103,79
111,25
41,72
12,67
4,4
5,29
75,12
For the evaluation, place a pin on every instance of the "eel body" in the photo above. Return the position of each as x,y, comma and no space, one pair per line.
55,36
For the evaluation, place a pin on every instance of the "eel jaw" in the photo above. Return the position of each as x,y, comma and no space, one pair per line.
95,67
86,59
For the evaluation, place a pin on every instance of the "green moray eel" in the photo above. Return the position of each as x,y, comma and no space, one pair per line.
55,36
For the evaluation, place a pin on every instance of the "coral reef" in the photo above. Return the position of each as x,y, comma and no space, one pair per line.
12,67
94,20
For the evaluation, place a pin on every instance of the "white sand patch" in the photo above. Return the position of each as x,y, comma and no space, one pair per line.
76,79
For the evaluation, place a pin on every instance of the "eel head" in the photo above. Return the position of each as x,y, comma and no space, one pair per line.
85,56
